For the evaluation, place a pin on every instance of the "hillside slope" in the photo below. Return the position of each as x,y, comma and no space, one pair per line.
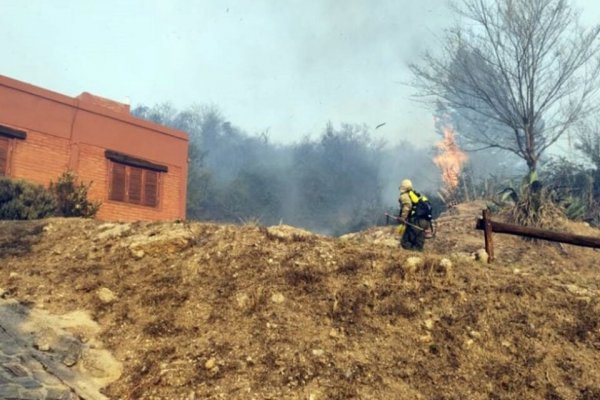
207,311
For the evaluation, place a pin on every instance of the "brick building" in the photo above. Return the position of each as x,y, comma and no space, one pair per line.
138,168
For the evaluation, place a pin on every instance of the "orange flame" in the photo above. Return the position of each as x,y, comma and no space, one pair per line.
449,160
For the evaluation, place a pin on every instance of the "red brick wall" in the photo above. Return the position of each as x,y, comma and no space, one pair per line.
40,158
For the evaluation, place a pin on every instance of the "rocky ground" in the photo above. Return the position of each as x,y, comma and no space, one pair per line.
207,311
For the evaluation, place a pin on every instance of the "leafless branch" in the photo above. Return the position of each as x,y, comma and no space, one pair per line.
525,65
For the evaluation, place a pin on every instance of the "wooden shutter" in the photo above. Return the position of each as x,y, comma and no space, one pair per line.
3,155
135,185
117,182
150,188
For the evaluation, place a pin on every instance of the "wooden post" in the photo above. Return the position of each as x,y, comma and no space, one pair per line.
488,226
487,233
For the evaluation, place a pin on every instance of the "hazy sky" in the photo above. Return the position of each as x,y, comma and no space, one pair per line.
286,66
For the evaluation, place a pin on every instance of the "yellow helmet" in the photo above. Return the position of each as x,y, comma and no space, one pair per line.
406,185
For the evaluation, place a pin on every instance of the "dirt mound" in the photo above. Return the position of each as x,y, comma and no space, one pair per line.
245,312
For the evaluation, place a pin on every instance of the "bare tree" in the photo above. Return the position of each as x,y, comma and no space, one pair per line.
522,71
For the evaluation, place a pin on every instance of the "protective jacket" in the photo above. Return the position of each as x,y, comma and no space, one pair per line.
408,201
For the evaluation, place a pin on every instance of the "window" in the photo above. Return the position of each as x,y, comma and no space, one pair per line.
3,155
134,185
133,180
6,136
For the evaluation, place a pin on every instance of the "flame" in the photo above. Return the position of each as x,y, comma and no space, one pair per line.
449,160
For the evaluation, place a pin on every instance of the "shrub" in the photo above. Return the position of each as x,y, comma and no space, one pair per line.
24,200
71,197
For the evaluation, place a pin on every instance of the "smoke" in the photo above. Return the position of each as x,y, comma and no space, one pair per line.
336,181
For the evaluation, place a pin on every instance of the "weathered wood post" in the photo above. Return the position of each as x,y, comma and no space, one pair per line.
488,226
487,233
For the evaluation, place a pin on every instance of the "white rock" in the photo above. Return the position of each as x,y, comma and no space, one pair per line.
242,300
42,345
474,334
576,290
426,338
482,255
112,231
412,264
277,298
210,363
106,295
429,324
137,253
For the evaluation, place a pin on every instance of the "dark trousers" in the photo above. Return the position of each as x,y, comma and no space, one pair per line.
413,238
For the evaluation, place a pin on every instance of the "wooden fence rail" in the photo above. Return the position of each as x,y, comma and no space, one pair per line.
488,226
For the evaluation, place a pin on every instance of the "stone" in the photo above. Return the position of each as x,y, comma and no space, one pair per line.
171,241
137,253
576,290
13,275
482,256
318,352
16,370
446,265
429,324
412,264
210,363
10,391
474,334
41,344
28,383
426,338
242,300
277,298
60,394
106,295
70,360
46,378
112,231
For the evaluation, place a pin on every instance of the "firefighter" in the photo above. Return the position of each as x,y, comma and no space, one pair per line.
413,232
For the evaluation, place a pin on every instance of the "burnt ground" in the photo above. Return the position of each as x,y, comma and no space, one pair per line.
208,311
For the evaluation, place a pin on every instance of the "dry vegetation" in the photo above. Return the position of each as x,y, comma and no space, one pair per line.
220,311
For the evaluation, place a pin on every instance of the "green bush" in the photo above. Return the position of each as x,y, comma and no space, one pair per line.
71,197
24,200
20,199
